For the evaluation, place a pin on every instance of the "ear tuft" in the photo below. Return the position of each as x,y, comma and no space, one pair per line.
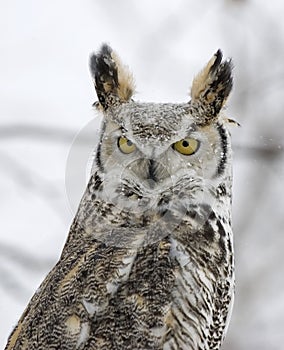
212,86
113,81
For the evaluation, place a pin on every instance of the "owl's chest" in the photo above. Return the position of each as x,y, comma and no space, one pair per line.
161,295
202,294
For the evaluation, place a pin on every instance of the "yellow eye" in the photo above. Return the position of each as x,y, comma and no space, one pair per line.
125,145
186,146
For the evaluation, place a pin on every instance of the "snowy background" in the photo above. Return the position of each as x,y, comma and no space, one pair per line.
46,95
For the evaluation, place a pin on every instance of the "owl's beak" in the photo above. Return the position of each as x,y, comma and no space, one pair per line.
152,172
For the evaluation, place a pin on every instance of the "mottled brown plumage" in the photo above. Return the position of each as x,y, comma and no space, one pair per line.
148,263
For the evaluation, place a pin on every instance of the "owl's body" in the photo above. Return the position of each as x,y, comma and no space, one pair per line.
148,263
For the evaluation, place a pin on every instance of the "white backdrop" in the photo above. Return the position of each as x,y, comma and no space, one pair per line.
46,95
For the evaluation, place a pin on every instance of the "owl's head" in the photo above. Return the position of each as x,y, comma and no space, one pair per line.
152,153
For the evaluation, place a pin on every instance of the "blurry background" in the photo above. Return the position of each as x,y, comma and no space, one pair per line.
46,95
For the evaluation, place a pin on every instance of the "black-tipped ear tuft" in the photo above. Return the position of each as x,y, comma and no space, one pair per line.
212,86
113,81
218,60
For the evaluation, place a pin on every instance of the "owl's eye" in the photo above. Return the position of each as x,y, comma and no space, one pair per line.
186,146
125,145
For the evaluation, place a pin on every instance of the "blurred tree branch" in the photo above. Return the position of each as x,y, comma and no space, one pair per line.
269,151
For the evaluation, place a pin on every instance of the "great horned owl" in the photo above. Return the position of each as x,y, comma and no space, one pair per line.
148,263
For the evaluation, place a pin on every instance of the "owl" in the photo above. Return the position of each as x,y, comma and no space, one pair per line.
148,262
